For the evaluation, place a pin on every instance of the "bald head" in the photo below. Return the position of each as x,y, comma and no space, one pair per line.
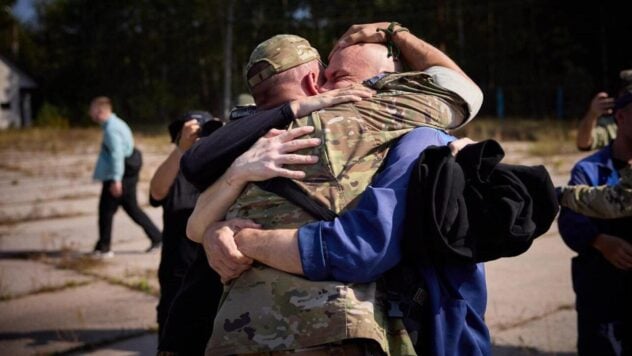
354,64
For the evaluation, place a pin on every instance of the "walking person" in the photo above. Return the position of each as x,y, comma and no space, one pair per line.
118,167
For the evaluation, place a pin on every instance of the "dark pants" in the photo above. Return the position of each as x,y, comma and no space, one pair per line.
108,205
169,287
193,310
600,338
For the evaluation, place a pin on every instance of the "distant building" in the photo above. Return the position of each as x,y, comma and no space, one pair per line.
16,90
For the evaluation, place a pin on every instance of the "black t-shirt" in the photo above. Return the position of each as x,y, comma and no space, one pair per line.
178,252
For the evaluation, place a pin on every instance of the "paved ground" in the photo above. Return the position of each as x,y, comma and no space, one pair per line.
55,300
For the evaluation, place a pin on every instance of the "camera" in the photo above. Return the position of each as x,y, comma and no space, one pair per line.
208,124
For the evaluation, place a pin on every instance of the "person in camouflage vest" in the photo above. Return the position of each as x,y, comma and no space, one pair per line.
266,309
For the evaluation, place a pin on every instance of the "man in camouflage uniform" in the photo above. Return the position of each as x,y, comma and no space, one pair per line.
267,309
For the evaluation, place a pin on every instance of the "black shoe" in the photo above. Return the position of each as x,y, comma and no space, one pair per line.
155,245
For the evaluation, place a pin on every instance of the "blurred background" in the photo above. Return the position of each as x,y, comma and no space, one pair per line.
538,62
532,58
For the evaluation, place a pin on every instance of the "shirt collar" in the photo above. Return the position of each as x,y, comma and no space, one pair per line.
106,123
607,163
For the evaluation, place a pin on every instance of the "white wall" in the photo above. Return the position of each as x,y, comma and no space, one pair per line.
11,80
9,94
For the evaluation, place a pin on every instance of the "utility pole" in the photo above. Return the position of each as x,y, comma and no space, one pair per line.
228,56
15,40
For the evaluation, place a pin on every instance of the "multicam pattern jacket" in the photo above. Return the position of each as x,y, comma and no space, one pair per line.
265,309
604,132
603,202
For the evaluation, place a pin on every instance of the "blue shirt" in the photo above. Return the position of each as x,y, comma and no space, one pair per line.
118,143
578,231
602,290
363,243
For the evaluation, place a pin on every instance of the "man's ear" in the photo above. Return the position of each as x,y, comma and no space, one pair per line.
310,84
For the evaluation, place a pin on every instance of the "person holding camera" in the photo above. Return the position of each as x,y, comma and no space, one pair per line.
169,189
597,128
118,167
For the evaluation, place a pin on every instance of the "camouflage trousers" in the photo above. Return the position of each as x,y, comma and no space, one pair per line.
357,347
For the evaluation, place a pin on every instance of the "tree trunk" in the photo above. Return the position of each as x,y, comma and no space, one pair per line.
228,57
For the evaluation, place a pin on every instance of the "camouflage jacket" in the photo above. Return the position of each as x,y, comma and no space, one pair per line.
603,202
265,309
604,132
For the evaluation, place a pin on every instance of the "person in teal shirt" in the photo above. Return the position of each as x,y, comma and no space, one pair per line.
118,167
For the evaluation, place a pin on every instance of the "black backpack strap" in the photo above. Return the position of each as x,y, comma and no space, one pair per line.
289,190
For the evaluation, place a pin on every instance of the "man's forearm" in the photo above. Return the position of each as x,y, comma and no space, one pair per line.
165,175
420,55
213,204
275,248
584,132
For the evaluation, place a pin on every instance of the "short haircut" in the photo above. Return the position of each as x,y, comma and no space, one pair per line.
101,101
278,83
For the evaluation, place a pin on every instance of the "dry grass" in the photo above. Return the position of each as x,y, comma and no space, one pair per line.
79,263
36,214
546,137
519,129
74,140
50,140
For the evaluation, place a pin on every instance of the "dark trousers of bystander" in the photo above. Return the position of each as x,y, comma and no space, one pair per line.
190,321
108,205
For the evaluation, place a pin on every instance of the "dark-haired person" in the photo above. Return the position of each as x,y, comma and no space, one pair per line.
118,167
597,128
602,269
170,190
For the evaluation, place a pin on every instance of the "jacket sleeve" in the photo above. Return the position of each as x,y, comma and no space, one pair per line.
603,202
603,133
465,88
578,231
363,243
113,140
209,158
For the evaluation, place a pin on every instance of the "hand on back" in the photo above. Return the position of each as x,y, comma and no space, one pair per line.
266,158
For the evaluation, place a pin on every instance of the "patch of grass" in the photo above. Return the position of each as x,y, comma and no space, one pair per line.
142,285
547,148
55,140
80,263
36,214
45,289
518,129
15,168
73,140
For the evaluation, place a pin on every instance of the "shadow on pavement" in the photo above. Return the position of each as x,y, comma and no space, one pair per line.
89,340
505,350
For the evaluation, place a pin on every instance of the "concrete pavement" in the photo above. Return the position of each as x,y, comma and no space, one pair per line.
55,300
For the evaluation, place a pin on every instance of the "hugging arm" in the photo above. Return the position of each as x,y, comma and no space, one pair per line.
263,161
209,158
602,202
420,56
360,244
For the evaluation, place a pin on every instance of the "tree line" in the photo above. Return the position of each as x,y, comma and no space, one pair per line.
159,58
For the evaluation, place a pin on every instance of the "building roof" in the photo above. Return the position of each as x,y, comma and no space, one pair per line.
26,81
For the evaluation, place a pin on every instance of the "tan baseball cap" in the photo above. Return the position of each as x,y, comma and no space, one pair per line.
282,52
